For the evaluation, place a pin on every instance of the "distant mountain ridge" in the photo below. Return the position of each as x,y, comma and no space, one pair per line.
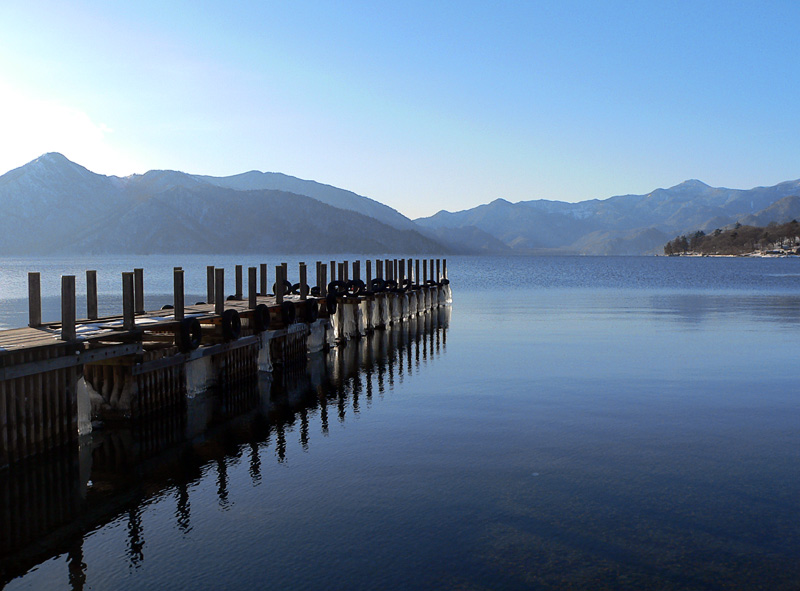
54,206
625,224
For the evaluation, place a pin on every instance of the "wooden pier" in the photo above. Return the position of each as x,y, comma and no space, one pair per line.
56,377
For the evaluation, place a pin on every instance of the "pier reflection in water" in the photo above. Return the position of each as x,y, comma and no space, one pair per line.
52,504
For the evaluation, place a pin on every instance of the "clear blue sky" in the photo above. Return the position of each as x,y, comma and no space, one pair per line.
420,105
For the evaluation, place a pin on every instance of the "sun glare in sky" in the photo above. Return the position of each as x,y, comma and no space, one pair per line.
422,106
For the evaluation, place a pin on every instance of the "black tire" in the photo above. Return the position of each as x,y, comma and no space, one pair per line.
167,307
295,289
330,303
445,282
312,310
199,303
315,291
288,313
356,287
231,325
261,318
391,284
189,335
377,285
337,287
430,282
287,287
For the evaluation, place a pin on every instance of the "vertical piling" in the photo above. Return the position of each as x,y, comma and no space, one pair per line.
303,281
210,284
252,295
239,281
356,270
379,268
279,284
219,291
138,291
333,271
323,282
128,313
91,295
444,268
34,300
416,273
264,287
68,307
438,270
177,293
369,273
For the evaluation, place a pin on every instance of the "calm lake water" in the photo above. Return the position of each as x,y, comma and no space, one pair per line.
570,423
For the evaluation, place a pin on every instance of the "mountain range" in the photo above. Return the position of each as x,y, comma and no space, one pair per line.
54,206
626,224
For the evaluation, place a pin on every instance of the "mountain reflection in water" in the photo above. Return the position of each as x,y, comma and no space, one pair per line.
49,505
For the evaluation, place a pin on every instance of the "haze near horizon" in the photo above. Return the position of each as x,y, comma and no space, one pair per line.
421,107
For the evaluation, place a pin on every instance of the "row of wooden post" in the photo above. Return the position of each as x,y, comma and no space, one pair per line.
133,287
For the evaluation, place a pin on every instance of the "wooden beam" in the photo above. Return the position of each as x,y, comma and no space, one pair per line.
34,300
252,288
138,291
127,301
178,298
68,307
210,284
91,295
219,291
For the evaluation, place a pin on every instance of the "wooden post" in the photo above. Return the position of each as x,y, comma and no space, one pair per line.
68,307
379,268
91,295
416,273
252,296
431,268
356,270
333,271
279,284
219,291
438,270
128,321
388,270
323,284
369,273
264,285
444,268
346,275
34,299
210,284
138,291
401,271
342,267
424,271
285,267
239,280
303,281
177,293
319,275
409,270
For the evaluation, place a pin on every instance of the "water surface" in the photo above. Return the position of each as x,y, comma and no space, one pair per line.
571,423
